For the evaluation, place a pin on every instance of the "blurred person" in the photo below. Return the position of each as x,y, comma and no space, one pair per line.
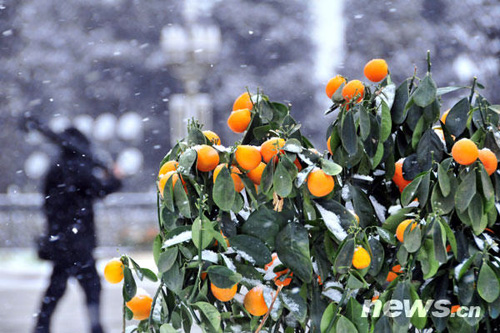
73,183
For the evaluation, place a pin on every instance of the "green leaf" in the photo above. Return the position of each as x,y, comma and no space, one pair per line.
223,191
343,261
439,239
222,276
181,200
386,122
157,248
402,293
444,180
167,328
445,90
427,259
186,160
327,317
465,192
211,318
486,183
267,178
174,278
363,207
292,247
129,286
201,232
329,167
264,223
348,134
450,236
354,314
410,191
364,123
429,148
456,121
167,259
282,181
426,91
345,325
412,239
293,146
168,194
476,214
295,304
251,249
149,274
377,255
400,100
488,286
417,320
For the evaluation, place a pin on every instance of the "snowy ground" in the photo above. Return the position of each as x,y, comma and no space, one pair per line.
23,279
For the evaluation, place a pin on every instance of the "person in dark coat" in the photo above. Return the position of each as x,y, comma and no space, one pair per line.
72,185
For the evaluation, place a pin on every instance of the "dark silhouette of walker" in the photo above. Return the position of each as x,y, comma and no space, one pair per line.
73,183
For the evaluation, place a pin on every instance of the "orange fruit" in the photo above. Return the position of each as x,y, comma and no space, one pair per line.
319,183
328,145
334,84
212,137
353,89
361,258
239,120
243,102
376,297
376,70
113,271
273,256
489,160
398,178
238,183
247,157
208,158
448,248
319,280
203,275
297,164
256,174
254,302
444,116
391,276
140,305
223,294
455,308
164,179
400,231
168,166
279,282
464,152
397,269
269,149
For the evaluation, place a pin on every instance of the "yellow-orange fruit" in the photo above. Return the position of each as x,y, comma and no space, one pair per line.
247,157
489,160
353,89
140,305
255,175
212,137
398,178
465,152
444,116
223,294
319,183
164,179
361,258
400,231
208,158
254,302
270,148
376,70
113,271
243,101
238,183
239,120
168,166
333,84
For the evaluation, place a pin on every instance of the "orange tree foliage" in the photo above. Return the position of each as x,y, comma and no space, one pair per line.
211,234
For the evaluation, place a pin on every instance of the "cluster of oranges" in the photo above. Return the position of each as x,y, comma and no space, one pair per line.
141,303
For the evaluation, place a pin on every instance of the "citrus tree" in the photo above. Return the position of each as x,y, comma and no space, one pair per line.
271,234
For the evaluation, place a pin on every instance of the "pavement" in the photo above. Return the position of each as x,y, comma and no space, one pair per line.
23,279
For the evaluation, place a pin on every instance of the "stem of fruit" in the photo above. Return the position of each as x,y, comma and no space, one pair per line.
124,319
429,61
472,89
269,310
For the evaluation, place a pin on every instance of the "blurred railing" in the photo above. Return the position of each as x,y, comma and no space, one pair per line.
122,219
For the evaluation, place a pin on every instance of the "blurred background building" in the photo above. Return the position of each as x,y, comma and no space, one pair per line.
129,73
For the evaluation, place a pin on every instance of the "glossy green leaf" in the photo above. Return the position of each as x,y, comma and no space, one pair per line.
425,93
488,286
251,249
186,161
223,191
167,259
282,181
181,200
211,315
465,192
348,134
330,168
292,247
201,232
343,261
345,325
402,293
456,120
222,276
129,285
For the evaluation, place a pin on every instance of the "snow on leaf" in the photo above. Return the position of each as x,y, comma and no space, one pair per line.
180,238
208,256
332,222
